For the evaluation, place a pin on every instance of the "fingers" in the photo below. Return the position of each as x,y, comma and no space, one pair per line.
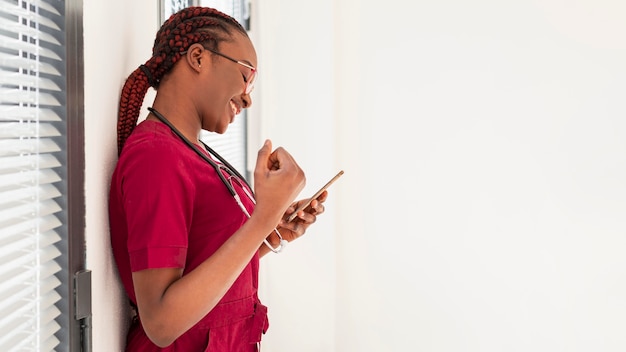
308,214
277,181
277,160
296,229
317,206
279,166
264,154
322,198
274,160
280,159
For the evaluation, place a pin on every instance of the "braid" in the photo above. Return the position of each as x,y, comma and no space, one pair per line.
184,28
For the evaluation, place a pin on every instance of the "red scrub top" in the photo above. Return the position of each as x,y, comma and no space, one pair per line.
169,209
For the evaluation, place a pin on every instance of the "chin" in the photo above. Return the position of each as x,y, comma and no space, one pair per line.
221,129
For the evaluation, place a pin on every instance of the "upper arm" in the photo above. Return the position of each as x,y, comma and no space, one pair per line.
150,288
151,284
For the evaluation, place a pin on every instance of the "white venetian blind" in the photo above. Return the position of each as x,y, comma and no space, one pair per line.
30,76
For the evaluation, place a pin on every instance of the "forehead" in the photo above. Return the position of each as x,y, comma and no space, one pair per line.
240,48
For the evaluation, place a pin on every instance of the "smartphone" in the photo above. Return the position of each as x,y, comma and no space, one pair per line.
317,194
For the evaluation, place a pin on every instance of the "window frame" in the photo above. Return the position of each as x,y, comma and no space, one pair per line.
79,329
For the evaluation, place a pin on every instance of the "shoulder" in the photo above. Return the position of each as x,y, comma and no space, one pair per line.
151,137
152,149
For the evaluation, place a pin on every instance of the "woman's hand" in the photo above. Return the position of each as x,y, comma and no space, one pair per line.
298,226
277,181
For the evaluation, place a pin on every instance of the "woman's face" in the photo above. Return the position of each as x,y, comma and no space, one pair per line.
223,87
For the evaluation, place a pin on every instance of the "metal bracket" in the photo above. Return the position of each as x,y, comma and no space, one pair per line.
82,305
82,294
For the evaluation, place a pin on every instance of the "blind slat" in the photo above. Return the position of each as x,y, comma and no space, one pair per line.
27,314
28,129
23,194
27,47
12,295
17,79
16,96
17,63
17,28
16,164
44,225
15,336
28,210
13,147
28,178
25,113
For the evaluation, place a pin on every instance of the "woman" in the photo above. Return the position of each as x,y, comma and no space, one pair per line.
186,233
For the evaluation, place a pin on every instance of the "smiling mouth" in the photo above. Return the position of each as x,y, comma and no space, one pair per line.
235,108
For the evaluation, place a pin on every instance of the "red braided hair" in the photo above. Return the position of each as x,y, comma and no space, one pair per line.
184,28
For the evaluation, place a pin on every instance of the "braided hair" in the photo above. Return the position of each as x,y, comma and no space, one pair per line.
183,29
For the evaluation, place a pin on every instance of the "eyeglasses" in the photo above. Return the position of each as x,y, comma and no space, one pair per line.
250,79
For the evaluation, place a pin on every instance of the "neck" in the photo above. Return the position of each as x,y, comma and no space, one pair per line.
175,101
190,128
156,115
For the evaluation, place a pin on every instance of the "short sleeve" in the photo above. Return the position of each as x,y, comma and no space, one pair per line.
157,195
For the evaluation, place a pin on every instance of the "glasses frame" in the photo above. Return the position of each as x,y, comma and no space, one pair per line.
248,80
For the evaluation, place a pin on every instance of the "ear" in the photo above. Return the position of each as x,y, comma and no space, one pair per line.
194,56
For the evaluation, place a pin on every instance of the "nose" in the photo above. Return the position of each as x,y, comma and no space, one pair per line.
246,99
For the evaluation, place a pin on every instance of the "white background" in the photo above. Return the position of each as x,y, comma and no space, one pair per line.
484,144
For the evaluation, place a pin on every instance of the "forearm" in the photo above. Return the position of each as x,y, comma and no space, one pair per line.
187,299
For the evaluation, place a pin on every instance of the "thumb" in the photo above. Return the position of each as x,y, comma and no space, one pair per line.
264,155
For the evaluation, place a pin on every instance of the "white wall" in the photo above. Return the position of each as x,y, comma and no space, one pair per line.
293,106
483,143
118,38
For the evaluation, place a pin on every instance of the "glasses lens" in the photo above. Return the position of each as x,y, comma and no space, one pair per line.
250,83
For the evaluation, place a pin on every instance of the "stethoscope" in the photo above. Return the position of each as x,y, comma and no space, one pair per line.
218,169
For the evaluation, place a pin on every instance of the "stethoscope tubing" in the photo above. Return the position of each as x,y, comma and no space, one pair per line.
217,169
196,149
